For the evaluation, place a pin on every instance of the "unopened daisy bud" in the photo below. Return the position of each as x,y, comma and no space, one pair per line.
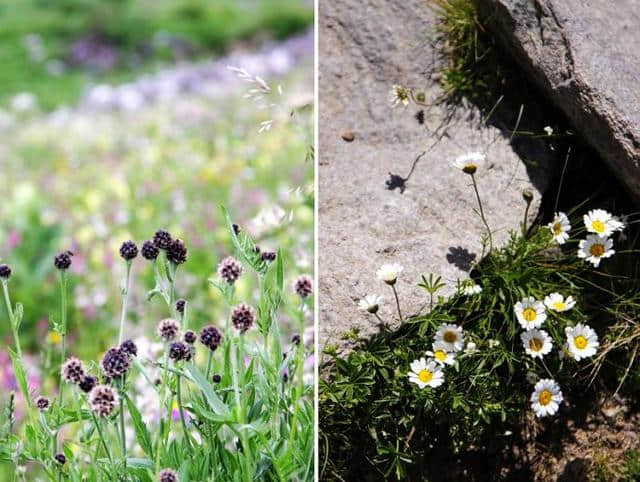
42,403
216,378
72,370
268,256
210,337
167,475
180,304
190,337
128,250
115,363
162,239
303,286
5,271
177,252
87,383
168,329
295,339
229,269
60,458
103,400
527,195
243,317
178,351
62,261
421,96
149,250
471,348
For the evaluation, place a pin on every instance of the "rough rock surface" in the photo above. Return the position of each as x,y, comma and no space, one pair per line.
431,226
584,55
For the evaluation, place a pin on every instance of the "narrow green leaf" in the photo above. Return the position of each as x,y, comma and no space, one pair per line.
142,434
20,374
214,401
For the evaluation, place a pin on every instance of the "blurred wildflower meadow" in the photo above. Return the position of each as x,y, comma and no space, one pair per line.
163,150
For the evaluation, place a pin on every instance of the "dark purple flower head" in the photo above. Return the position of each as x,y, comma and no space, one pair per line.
5,271
243,317
303,286
115,363
229,269
87,383
236,229
190,337
149,250
210,337
168,475
179,351
268,256
103,400
177,252
217,378
129,347
62,261
128,250
42,403
162,239
295,339
168,329
72,370
60,458
180,304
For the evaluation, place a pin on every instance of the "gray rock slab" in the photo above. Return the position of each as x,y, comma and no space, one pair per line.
365,47
584,55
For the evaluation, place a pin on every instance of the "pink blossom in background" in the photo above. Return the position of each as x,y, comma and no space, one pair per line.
14,239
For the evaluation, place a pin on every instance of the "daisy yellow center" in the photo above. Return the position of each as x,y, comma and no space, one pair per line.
529,314
559,305
470,168
598,226
580,342
545,397
440,355
596,249
425,376
557,228
450,336
535,344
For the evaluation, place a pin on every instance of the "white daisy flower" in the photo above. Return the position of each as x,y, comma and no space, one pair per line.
595,248
440,354
470,162
582,340
546,397
493,343
399,95
370,303
560,228
556,302
602,223
451,336
530,313
471,348
426,373
389,273
470,288
537,343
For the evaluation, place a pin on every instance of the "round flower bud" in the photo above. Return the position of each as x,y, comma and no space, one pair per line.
87,383
295,339
168,329
128,250
216,378
149,250
303,285
229,269
190,337
243,317
5,271
177,252
42,403
162,239
72,370
210,337
115,363
168,475
236,229
527,195
103,400
60,458
62,261
179,351
129,347
268,256
180,304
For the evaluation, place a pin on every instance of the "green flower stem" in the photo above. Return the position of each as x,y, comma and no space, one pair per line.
235,370
125,296
209,364
123,440
299,377
484,219
163,402
182,419
101,434
12,319
524,221
395,294
63,334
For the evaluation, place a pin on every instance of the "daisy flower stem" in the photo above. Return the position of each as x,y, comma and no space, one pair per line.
125,296
545,367
379,319
395,294
484,220
524,220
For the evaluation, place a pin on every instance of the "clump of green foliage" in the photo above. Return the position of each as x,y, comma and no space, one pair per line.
374,423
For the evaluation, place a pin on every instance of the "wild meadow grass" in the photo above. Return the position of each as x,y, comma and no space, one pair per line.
233,402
